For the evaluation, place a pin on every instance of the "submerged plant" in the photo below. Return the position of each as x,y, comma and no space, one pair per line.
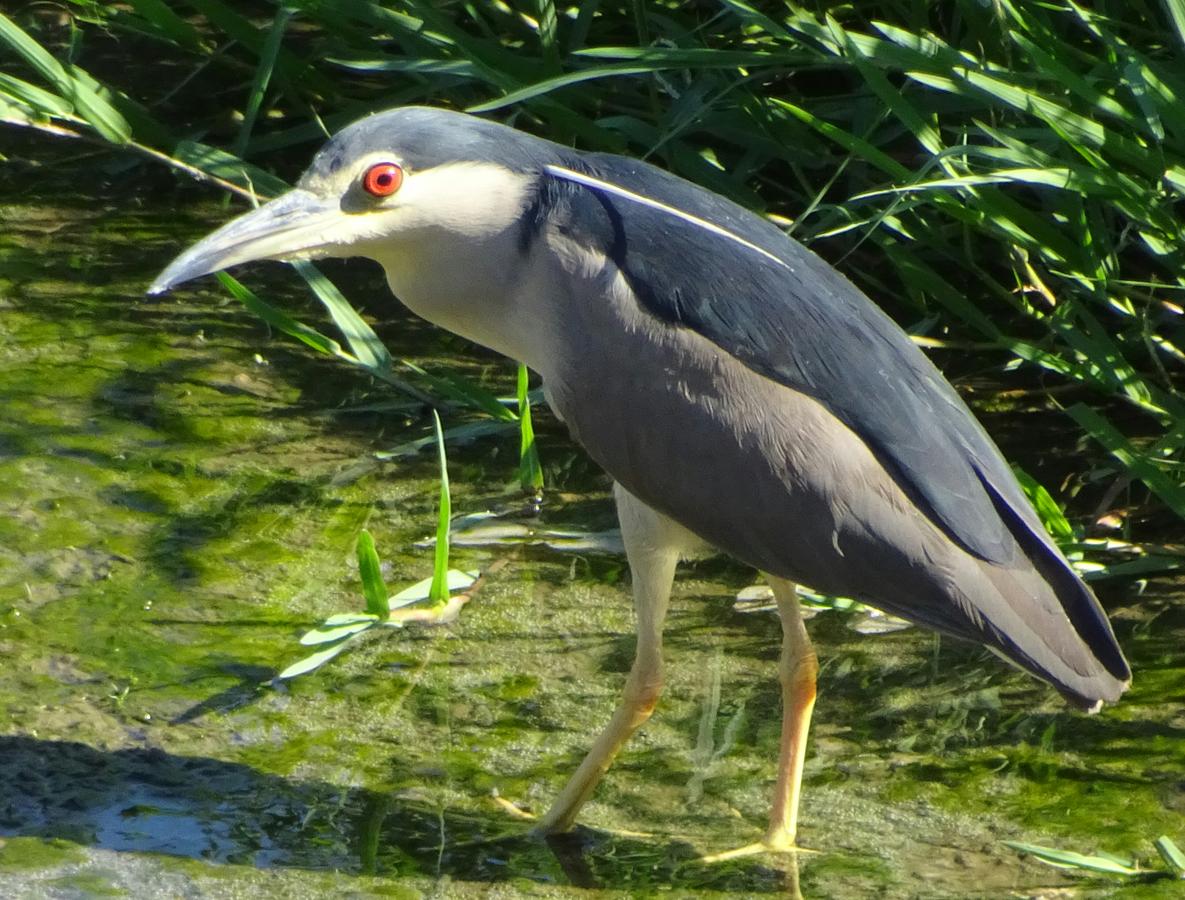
434,594
1107,863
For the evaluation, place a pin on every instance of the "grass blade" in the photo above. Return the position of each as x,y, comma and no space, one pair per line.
311,337
263,75
167,23
422,590
374,589
1171,854
40,100
439,591
346,619
1176,10
96,111
693,57
229,167
464,391
1068,859
925,132
364,343
324,634
1050,513
280,320
314,660
16,112
1136,463
465,433
547,85
549,34
530,470
241,29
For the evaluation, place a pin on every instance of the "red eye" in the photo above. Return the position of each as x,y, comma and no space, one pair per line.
382,179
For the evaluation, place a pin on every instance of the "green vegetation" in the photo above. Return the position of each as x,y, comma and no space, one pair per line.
1006,178
340,630
1108,864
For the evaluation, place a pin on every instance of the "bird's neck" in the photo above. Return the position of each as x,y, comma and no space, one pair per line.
466,286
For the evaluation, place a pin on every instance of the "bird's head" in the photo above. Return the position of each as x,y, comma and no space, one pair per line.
438,198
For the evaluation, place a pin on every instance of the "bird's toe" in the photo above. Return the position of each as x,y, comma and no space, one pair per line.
773,842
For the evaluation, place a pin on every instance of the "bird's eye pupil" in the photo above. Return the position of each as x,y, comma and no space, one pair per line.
383,179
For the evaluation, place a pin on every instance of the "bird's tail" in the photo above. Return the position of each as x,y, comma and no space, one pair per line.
1084,662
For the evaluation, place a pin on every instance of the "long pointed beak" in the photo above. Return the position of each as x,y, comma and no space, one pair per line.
296,224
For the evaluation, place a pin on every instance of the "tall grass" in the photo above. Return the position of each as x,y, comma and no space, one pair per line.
1004,176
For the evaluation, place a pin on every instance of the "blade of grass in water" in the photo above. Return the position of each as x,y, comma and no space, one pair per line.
439,592
170,25
1068,859
365,344
374,589
1172,855
530,471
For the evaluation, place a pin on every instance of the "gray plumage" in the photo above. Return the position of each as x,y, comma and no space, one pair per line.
805,328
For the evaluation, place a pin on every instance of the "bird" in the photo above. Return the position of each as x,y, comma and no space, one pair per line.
742,394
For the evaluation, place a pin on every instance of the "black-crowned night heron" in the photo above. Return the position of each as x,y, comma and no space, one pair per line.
740,392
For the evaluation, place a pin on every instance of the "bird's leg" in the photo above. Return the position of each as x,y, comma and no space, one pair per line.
797,670
652,547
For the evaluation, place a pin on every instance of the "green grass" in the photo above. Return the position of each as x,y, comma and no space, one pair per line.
341,630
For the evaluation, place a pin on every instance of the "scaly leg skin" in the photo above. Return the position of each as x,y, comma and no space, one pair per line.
652,544
797,670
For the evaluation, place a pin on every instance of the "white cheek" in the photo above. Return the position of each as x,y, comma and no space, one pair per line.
472,200
450,244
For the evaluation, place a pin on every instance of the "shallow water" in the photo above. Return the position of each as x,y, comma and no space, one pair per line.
170,527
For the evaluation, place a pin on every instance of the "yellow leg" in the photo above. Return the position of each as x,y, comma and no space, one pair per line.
652,544
797,670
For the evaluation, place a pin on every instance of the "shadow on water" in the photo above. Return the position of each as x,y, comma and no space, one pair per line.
150,801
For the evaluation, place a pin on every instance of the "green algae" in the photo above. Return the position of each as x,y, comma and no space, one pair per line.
85,884
36,853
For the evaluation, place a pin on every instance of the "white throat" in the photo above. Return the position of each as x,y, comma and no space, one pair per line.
458,225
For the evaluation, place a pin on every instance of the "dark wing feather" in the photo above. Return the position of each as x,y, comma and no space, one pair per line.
795,320
799,322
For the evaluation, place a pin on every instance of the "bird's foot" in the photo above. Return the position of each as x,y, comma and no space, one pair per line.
773,842
541,833
545,828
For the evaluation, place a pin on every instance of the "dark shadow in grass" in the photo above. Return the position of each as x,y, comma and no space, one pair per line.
150,801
